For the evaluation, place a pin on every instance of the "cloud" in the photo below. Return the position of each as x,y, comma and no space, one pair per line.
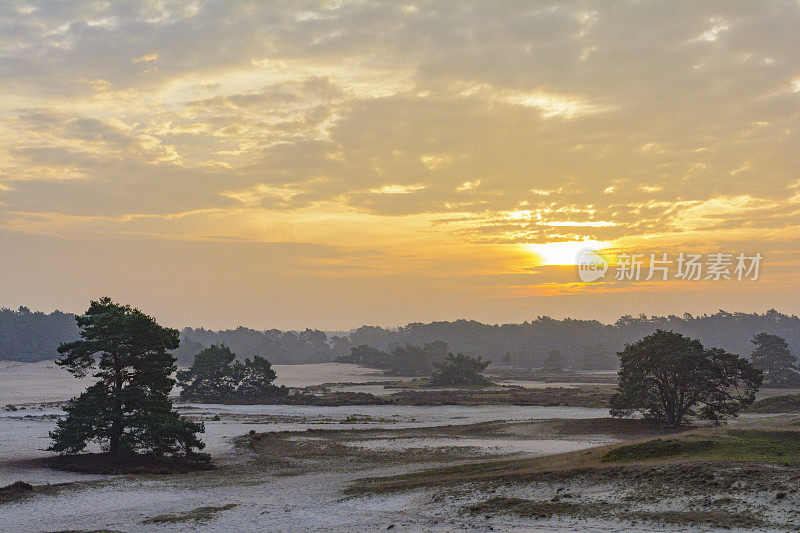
397,189
455,121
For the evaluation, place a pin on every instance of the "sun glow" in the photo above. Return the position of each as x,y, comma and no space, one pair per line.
563,253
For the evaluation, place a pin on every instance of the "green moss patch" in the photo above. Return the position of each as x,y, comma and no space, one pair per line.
733,445
658,449
761,446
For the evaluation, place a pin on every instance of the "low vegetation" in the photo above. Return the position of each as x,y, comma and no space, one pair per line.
201,514
710,449
532,509
558,507
20,490
459,371
216,376
107,464
788,403
761,446
738,445
547,397
657,449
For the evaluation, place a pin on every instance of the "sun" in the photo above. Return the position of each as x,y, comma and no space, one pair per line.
564,252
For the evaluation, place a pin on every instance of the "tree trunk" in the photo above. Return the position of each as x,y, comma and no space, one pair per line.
115,439
117,426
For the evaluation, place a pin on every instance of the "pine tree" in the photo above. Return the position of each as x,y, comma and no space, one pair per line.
257,378
217,377
213,377
128,410
773,357
670,378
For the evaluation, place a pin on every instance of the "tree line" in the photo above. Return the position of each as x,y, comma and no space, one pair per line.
665,376
583,344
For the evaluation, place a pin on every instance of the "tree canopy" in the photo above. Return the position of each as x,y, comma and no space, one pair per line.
407,360
460,370
671,378
216,376
128,409
584,344
772,356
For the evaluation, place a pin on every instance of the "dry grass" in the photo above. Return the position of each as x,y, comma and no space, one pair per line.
767,446
201,514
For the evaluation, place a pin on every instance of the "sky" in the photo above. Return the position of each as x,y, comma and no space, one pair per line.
332,164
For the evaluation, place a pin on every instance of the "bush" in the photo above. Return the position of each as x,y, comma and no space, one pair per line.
460,370
217,377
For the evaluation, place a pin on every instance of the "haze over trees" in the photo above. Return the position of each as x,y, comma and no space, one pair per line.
554,363
34,336
773,358
280,347
408,360
128,409
671,378
585,344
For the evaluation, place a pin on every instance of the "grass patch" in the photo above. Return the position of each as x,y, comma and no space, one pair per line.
438,476
20,489
526,508
87,531
712,446
761,446
718,519
201,514
789,403
758,446
658,449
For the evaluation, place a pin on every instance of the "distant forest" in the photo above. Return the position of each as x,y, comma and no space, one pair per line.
584,344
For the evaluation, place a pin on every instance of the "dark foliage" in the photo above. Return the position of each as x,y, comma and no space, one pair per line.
105,464
554,362
584,344
34,336
773,358
216,376
670,378
460,370
367,356
405,360
280,347
128,410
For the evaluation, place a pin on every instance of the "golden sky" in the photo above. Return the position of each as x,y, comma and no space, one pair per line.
332,164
